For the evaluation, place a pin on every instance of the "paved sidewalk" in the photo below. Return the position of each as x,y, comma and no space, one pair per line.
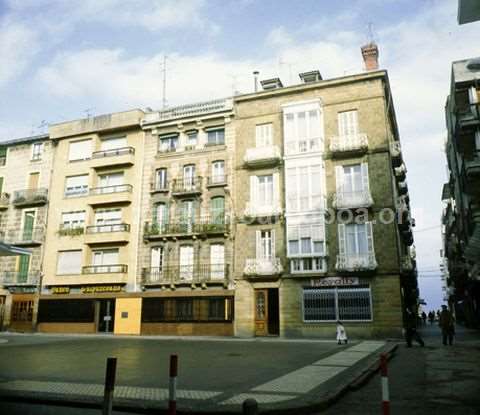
284,374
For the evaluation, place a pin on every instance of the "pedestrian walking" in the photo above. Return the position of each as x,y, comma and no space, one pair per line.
341,333
431,317
411,332
424,318
447,324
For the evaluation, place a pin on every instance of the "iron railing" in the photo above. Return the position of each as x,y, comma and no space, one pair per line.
187,185
348,143
19,278
117,227
119,188
27,235
30,196
203,225
113,152
195,273
105,269
356,262
263,266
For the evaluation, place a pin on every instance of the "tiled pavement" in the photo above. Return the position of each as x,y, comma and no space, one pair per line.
296,388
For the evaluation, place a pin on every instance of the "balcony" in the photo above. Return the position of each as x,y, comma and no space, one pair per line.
403,188
218,180
26,237
4,200
262,156
352,200
101,234
186,274
349,143
468,115
163,187
15,278
356,262
253,210
30,197
121,193
400,172
396,153
124,156
187,187
98,274
205,225
472,168
262,267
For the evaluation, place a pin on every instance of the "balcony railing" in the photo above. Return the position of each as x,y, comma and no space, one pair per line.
26,236
356,262
160,186
113,152
118,227
30,197
350,200
204,225
187,186
196,273
217,180
395,149
254,210
348,143
468,115
264,266
105,269
262,155
19,278
119,188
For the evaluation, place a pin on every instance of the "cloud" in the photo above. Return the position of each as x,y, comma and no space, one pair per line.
278,37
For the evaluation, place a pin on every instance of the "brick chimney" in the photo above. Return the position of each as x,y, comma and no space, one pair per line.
370,56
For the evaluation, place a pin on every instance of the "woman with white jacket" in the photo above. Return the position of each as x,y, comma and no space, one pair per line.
341,333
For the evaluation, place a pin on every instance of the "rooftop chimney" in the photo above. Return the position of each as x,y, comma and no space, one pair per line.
370,56
255,80
312,76
271,84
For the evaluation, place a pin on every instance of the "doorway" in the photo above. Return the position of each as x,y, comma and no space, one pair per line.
2,310
267,319
105,313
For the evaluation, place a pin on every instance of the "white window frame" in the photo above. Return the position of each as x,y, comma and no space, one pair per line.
161,177
79,190
218,171
37,150
168,143
264,135
217,261
101,253
69,262
105,143
108,216
105,180
294,182
186,262
265,244
86,154
157,262
215,132
73,220
348,123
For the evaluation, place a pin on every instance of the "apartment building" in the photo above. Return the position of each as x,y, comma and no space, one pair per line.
461,217
185,261
93,230
324,231
25,168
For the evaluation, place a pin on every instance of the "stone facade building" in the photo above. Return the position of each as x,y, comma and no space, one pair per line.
276,212
461,217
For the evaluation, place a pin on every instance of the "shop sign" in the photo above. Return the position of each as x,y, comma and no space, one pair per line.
334,281
101,289
60,290
22,290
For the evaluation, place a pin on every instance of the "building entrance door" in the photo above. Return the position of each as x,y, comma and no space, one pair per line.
2,310
21,318
266,312
106,315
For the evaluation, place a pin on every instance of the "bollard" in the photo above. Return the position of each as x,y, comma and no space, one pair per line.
250,407
172,386
109,385
385,391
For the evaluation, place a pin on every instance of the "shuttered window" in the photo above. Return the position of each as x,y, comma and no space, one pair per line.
265,244
113,143
76,185
348,123
80,150
264,135
265,190
355,239
73,219
69,262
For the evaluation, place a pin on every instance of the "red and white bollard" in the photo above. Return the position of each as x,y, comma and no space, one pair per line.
385,391
172,385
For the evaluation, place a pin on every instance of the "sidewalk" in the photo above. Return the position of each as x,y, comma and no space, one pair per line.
279,377
435,380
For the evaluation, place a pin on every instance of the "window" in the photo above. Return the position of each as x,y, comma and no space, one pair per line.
108,216
306,240
265,244
263,135
33,180
113,143
168,143
353,184
72,220
28,223
189,176
76,185
3,156
303,265
217,208
156,263
37,149
218,171
22,311
110,181
262,190
187,215
302,129
217,261
186,262
184,309
355,246
105,257
69,262
347,123
23,266
192,138
160,214
215,137
216,309
161,179
304,188
337,303
80,150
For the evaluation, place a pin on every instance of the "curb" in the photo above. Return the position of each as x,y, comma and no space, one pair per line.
357,379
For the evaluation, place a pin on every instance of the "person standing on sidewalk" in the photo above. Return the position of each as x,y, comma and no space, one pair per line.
447,324
341,333
411,332
424,318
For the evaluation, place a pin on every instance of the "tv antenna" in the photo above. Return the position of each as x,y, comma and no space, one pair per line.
88,112
370,37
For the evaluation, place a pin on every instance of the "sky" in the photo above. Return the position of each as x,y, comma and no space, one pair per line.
66,59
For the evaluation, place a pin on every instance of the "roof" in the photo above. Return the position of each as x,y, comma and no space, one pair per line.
24,140
461,72
468,11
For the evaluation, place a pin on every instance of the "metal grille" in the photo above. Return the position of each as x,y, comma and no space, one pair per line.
337,303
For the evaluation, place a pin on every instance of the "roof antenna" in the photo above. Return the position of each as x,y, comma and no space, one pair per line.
88,112
370,38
